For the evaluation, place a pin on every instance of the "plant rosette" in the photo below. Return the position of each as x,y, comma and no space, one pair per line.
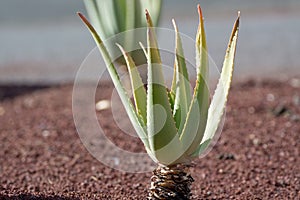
111,17
175,125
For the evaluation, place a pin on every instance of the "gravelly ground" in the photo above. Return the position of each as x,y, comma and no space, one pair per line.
42,157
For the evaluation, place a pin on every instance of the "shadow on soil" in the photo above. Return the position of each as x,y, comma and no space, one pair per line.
12,91
34,197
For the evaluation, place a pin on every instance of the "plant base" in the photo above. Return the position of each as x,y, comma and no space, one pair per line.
171,182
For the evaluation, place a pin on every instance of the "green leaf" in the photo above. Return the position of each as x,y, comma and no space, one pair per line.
123,14
197,116
108,18
143,48
183,92
136,121
129,19
174,81
218,104
163,139
139,92
153,7
201,148
171,96
93,12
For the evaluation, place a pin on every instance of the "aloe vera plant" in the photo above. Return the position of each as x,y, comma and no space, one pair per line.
174,125
111,17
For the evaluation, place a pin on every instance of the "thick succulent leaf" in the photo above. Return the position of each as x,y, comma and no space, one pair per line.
112,16
218,104
93,12
139,92
153,7
124,14
194,127
171,96
108,18
183,93
163,139
129,22
143,48
174,86
136,121
201,148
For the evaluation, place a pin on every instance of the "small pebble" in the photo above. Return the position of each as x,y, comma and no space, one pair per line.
28,103
208,193
288,124
45,133
252,136
270,97
2,111
258,123
116,160
295,118
256,142
251,110
103,105
296,100
295,83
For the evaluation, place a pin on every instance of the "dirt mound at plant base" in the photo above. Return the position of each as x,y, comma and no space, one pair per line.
257,155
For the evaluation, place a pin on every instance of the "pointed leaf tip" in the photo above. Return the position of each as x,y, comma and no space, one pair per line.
174,25
121,49
136,120
237,23
238,18
84,19
90,27
235,26
147,14
218,103
148,19
143,48
200,11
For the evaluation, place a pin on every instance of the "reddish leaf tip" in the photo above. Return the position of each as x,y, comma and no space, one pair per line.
84,19
147,14
81,15
200,11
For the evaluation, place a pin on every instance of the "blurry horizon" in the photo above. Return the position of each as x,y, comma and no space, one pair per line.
46,42
34,11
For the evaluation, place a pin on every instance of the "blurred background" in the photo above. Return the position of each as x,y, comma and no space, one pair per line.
45,42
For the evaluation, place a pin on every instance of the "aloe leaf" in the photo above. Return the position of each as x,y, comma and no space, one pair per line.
201,148
92,9
183,93
171,96
123,14
108,18
143,48
195,124
129,23
218,104
136,121
139,92
162,133
174,81
154,8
